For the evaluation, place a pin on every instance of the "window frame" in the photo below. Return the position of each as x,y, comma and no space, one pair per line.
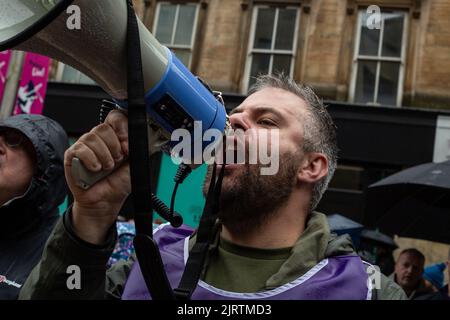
171,46
271,51
379,59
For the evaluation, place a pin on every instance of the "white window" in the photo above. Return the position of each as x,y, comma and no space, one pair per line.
272,43
175,26
68,74
379,59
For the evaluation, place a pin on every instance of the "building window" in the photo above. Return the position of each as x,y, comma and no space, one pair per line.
272,42
67,74
379,60
347,177
175,27
358,178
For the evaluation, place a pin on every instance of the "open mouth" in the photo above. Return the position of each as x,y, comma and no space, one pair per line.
232,153
230,166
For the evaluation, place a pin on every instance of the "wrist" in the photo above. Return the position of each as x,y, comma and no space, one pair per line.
91,224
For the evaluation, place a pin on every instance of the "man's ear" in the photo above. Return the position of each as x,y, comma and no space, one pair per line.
314,167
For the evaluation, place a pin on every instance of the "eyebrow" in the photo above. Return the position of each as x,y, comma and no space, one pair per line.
260,110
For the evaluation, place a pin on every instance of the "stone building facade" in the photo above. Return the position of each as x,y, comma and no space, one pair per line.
327,38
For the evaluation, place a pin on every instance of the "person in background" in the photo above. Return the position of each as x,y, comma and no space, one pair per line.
408,273
434,275
378,254
32,185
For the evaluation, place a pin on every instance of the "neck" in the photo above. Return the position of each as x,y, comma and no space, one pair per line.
4,199
408,292
282,230
5,196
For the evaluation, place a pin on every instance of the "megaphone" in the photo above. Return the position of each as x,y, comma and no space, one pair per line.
174,97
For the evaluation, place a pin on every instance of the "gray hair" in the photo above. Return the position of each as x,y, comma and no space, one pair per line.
319,128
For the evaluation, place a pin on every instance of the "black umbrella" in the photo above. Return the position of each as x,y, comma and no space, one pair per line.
343,225
377,238
412,203
340,224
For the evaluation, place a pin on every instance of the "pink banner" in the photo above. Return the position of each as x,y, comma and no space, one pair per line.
5,59
33,84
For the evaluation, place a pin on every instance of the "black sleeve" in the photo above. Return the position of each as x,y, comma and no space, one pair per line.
71,268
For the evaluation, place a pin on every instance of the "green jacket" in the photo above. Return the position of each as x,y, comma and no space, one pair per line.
49,279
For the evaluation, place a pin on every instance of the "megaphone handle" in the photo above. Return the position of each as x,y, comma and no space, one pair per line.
85,178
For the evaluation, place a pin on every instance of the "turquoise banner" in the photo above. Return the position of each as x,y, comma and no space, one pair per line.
189,201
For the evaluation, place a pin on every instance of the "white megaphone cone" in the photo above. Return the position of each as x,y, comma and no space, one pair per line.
98,48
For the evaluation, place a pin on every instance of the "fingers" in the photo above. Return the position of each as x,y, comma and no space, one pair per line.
85,154
98,146
109,137
119,123
102,148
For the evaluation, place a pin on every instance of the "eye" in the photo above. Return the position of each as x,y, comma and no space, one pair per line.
267,122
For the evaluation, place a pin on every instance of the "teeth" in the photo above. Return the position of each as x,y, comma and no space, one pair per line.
229,145
230,148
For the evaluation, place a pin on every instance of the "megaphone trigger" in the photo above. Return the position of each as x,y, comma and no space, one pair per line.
85,178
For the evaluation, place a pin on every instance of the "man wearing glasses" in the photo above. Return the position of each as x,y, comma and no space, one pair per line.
32,185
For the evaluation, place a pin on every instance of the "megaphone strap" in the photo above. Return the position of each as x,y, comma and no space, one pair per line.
205,233
149,257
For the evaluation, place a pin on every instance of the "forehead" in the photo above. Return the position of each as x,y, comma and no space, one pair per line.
13,132
277,100
25,143
411,258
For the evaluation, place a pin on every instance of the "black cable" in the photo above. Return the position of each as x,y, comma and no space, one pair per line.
172,200
175,219
183,171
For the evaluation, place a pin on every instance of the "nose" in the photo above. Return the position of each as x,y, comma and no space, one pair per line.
239,121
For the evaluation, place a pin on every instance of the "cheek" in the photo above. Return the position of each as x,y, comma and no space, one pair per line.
292,140
416,273
22,169
269,141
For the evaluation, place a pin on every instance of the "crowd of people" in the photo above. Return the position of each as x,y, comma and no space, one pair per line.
268,223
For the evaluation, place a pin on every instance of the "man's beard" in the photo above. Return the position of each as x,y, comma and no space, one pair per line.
248,199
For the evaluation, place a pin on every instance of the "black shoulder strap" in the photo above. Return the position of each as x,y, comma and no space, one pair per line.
146,249
197,255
